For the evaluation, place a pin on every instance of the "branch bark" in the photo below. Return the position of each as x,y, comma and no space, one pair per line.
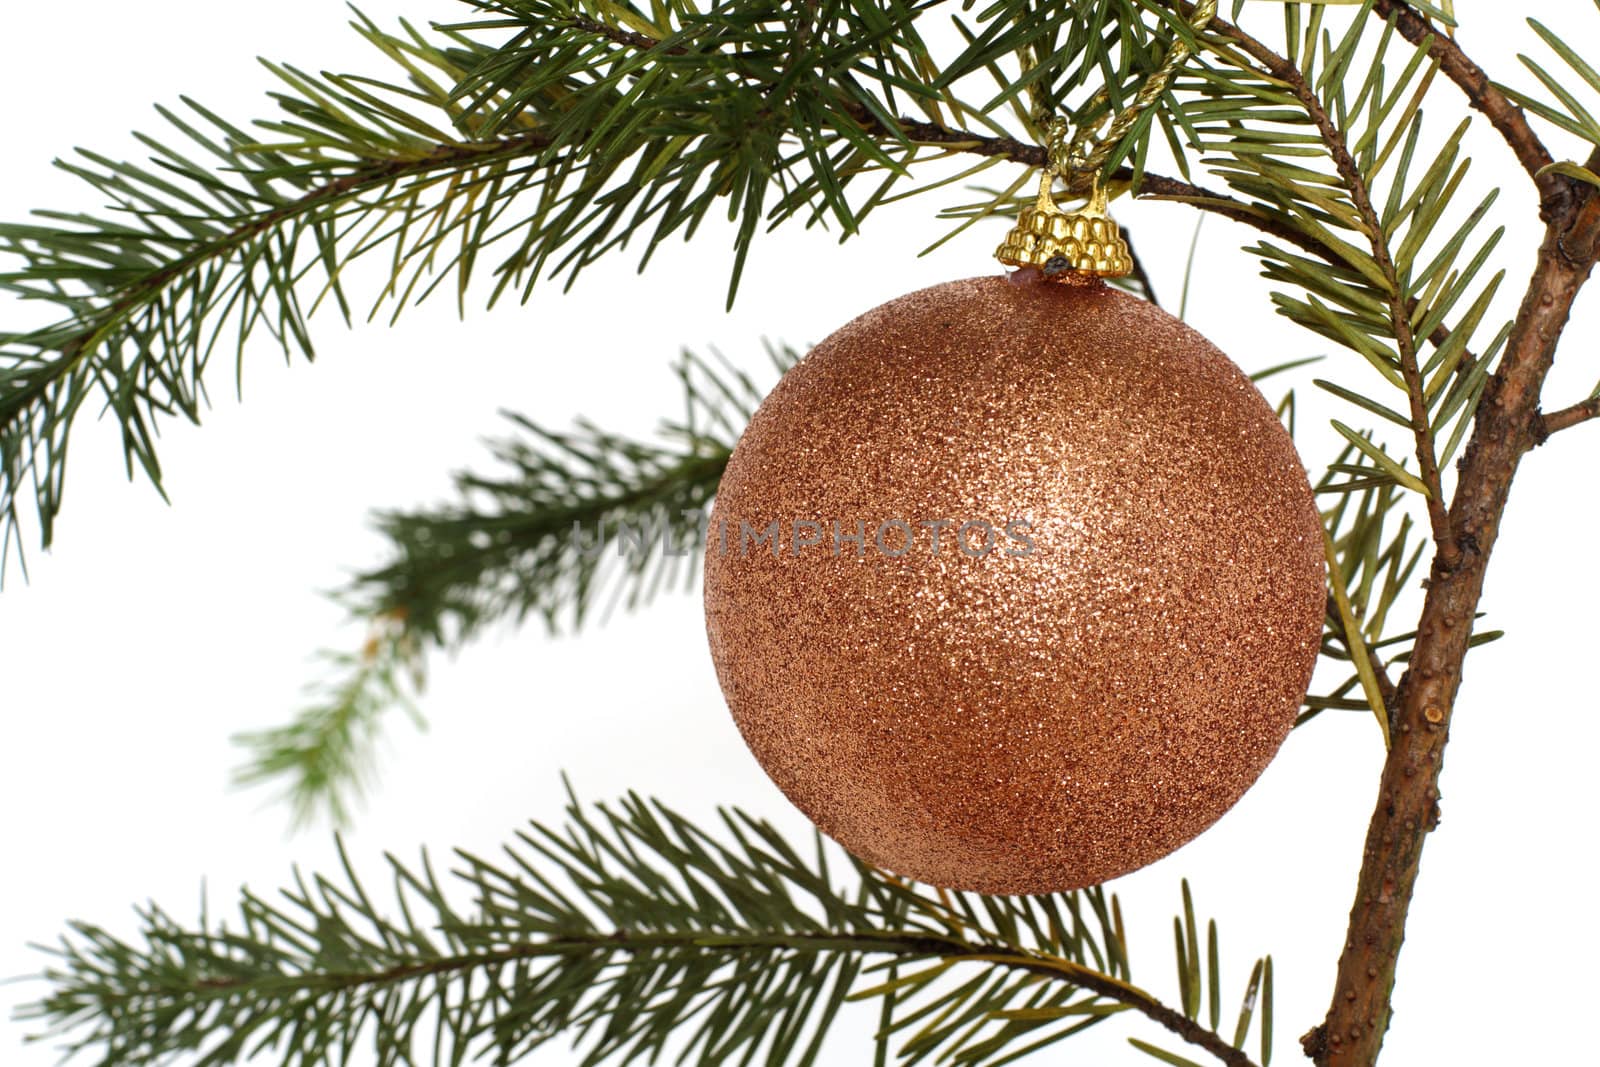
1567,417
1507,426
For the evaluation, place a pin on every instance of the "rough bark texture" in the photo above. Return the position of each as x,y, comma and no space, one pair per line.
1508,424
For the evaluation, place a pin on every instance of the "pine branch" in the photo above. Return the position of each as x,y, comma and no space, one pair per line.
1506,428
1399,308
908,130
232,239
1145,185
543,143
572,513
648,120
573,521
326,758
1480,92
541,538
1306,136
46,373
540,143
364,165
622,931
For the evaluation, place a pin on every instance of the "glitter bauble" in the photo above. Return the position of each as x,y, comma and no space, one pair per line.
1108,642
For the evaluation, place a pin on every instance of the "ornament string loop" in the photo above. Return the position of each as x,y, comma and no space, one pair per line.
1063,244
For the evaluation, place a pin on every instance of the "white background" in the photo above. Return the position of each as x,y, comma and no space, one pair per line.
152,633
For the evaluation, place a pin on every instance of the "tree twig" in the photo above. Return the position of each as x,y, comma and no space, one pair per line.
1134,997
1506,426
1567,417
1399,307
907,943
1152,187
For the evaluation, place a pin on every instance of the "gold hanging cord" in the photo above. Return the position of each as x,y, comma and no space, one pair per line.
1087,241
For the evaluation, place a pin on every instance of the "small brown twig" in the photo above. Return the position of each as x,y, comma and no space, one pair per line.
1567,417
916,131
1184,1027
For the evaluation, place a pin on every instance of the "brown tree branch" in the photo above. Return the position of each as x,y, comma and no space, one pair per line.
1581,412
641,41
1507,425
1505,116
1154,187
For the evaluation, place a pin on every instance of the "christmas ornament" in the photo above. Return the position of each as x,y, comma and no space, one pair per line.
1014,588
1015,584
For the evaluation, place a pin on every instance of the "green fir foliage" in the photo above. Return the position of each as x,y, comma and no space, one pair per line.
528,139
630,931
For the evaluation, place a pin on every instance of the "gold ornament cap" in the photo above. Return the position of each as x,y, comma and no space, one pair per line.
1058,242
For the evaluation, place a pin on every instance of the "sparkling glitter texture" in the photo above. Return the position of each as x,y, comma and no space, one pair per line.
1016,721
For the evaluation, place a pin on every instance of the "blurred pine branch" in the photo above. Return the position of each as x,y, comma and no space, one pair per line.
569,522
